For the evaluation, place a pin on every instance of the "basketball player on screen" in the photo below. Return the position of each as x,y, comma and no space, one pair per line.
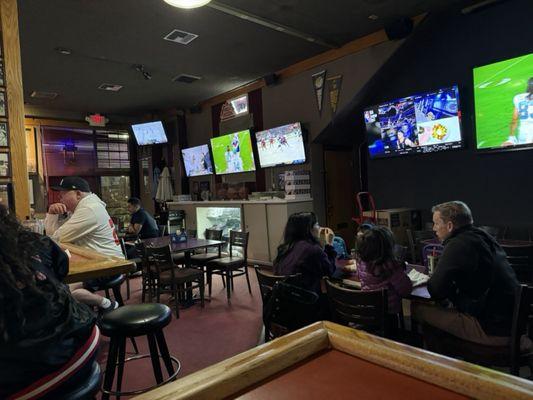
522,117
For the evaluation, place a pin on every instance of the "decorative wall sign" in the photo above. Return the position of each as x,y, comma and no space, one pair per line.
318,85
4,134
3,105
4,164
5,195
2,74
335,83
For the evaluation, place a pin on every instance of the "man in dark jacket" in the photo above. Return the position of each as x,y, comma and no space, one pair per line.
474,275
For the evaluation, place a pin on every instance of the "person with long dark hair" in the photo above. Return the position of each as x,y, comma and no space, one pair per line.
304,252
48,340
378,268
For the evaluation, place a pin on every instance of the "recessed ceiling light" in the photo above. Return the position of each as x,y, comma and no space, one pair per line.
63,51
110,87
187,3
373,17
43,95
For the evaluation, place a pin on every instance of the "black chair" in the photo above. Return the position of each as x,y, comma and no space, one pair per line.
510,356
201,259
520,257
113,286
231,266
365,310
494,231
132,321
415,239
169,278
266,280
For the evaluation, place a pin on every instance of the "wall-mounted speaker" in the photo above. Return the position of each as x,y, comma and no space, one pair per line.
271,79
399,29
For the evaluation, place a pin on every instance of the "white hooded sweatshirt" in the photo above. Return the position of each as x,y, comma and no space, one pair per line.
89,226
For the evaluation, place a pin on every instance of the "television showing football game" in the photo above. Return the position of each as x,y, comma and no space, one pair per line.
149,133
197,161
420,123
503,98
233,153
283,145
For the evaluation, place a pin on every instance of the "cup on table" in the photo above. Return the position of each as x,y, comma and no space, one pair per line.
432,263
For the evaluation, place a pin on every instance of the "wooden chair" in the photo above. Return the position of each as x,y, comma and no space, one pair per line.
415,246
266,280
509,356
520,257
365,310
201,259
231,266
169,278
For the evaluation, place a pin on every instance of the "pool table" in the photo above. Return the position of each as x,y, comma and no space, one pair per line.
329,361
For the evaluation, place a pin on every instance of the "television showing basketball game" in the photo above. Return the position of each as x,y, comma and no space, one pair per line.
197,161
421,123
149,133
503,98
283,145
233,153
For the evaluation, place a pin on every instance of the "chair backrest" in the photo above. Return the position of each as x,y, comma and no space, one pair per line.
366,310
239,239
266,280
213,234
123,247
522,319
191,233
520,257
491,230
160,258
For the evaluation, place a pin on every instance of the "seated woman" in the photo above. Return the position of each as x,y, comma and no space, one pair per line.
48,340
303,253
378,268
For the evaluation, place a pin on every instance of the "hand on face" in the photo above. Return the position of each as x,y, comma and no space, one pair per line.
57,208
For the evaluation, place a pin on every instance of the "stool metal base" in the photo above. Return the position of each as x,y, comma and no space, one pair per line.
177,365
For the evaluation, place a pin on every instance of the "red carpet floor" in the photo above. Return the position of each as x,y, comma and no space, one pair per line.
200,337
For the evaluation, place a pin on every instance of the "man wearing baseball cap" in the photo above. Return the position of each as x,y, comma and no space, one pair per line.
81,218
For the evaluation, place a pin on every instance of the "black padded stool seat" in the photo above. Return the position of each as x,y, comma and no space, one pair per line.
130,321
86,390
117,281
136,320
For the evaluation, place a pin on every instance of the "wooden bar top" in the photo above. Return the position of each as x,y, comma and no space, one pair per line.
86,264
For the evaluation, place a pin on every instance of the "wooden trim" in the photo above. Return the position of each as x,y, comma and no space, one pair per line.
51,122
352,47
15,106
242,371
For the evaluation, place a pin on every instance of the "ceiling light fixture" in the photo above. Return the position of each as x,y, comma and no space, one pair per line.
187,3
139,67
63,51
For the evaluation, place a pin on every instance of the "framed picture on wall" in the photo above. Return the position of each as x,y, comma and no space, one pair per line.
5,195
4,134
4,165
3,104
2,74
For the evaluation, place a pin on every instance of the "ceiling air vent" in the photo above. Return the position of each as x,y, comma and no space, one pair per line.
110,87
184,78
180,37
43,95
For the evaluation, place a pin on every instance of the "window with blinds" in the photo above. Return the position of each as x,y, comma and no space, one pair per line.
112,150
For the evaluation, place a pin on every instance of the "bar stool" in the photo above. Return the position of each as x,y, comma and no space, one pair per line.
131,321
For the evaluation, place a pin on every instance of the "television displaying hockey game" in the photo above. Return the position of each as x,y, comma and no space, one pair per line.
197,161
503,98
283,145
420,123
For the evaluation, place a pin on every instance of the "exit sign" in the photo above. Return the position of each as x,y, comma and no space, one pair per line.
96,120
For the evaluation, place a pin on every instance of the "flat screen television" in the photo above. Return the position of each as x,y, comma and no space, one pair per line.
503,99
283,145
233,153
421,123
197,161
149,133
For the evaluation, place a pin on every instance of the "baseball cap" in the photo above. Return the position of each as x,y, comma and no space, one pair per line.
73,183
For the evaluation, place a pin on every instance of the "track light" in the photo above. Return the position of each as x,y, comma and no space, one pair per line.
140,68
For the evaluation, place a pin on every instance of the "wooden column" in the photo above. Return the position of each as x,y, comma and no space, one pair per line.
15,106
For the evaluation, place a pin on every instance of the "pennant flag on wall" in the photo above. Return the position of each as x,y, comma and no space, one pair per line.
335,83
318,85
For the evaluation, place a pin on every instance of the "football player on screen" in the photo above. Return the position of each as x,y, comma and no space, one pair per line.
522,117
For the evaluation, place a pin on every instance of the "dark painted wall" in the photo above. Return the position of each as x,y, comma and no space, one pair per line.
442,52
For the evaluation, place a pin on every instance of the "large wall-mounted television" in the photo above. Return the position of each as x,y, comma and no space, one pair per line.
503,98
197,161
283,145
149,133
421,123
233,153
